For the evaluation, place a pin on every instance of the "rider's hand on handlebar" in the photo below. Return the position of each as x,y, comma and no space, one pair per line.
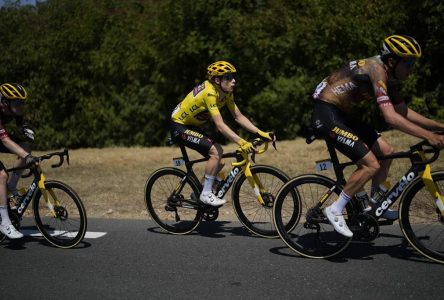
31,160
247,147
436,140
270,136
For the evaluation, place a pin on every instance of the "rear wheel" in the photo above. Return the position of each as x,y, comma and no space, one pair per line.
313,236
421,221
61,219
171,200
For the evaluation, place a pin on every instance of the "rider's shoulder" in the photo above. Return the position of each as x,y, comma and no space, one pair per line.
210,90
368,63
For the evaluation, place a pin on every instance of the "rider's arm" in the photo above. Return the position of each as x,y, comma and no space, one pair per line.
243,121
417,118
224,129
399,122
13,147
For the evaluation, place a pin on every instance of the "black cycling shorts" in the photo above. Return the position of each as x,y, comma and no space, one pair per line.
192,137
351,136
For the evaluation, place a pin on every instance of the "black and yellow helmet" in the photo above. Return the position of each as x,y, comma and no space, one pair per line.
13,91
220,68
402,46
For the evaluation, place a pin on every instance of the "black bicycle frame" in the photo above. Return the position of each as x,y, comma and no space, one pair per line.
23,203
226,183
418,166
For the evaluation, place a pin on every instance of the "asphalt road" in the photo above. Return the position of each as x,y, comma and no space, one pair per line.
136,260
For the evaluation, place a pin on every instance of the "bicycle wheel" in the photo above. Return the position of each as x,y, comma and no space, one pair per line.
313,236
420,220
257,217
175,212
67,227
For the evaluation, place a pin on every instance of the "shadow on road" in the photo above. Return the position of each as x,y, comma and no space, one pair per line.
213,229
368,251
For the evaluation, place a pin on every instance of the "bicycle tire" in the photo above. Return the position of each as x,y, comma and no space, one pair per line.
158,190
68,227
421,223
256,217
313,236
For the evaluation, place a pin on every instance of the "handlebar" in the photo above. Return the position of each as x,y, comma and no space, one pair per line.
60,154
256,142
419,147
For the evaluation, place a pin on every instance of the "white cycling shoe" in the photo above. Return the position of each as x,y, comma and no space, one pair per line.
211,199
338,222
10,231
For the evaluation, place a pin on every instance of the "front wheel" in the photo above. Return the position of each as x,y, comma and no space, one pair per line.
313,236
171,200
421,221
255,216
62,218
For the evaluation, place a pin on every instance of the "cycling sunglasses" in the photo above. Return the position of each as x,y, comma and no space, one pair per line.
410,63
230,76
16,102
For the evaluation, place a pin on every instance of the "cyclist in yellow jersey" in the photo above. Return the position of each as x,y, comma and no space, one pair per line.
375,79
201,105
12,101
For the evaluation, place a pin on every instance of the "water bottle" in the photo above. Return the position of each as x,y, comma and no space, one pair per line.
363,200
381,192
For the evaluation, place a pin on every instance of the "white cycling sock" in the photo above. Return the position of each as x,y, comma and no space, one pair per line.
208,184
4,215
338,205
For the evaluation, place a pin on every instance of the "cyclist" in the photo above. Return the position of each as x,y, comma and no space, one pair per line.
377,79
12,99
201,105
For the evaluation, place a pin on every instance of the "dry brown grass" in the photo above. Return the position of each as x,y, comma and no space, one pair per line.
111,181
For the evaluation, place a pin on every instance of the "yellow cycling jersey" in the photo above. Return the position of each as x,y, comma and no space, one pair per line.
201,103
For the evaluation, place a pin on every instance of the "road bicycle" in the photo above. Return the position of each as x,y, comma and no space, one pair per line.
421,208
58,211
171,194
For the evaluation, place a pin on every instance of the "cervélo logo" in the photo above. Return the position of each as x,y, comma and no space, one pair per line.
393,195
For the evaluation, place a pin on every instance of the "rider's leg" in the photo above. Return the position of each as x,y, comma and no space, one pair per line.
6,226
212,167
211,170
15,176
381,147
368,166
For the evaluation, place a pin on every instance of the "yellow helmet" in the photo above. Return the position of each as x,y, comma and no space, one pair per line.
220,68
402,46
13,91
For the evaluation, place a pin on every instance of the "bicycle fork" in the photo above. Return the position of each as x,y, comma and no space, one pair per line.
433,189
44,192
253,180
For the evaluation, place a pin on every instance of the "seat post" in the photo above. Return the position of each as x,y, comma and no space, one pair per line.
339,170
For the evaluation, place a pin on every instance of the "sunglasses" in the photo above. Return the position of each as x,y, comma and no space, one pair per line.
410,63
17,102
229,76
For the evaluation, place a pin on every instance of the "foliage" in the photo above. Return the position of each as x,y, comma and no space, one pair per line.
109,72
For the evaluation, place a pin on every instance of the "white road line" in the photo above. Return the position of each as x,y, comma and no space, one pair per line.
88,235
